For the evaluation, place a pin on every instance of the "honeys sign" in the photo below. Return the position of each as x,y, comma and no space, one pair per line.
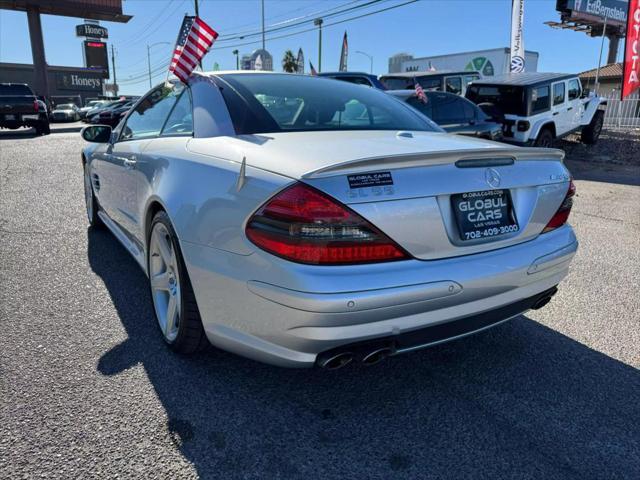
73,81
92,31
631,68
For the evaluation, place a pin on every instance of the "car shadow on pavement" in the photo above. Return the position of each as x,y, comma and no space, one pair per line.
518,401
602,172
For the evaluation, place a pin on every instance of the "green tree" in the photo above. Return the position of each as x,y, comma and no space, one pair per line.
289,63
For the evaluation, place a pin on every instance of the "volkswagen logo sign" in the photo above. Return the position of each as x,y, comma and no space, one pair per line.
492,177
517,64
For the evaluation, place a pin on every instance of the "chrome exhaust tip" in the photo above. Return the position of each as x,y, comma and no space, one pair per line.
336,361
376,356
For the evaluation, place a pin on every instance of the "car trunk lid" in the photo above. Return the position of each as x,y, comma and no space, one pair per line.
408,184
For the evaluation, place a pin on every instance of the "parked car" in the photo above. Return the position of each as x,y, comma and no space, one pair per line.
90,105
535,108
454,113
452,81
359,78
99,108
66,112
92,115
301,221
112,116
19,107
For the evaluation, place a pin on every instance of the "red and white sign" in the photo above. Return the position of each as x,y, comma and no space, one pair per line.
631,66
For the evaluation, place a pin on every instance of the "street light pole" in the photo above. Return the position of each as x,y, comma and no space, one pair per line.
370,59
149,47
318,22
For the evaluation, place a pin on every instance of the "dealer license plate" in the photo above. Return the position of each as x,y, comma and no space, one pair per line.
9,117
484,214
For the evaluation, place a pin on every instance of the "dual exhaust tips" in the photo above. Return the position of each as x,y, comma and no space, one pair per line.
336,360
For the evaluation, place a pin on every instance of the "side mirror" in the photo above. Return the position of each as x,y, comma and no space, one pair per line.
96,133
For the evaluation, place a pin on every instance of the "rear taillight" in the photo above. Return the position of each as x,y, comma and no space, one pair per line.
304,225
36,105
562,215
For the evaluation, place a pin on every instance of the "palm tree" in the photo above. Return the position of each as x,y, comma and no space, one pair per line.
289,63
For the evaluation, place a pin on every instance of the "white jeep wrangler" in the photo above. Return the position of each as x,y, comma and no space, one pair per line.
536,108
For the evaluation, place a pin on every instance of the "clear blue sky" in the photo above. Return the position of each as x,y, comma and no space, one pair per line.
428,27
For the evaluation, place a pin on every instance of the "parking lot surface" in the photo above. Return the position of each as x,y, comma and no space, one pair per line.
88,389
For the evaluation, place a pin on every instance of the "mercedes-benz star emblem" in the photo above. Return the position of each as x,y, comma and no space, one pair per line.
492,177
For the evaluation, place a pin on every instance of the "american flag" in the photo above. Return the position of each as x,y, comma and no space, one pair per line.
194,41
420,93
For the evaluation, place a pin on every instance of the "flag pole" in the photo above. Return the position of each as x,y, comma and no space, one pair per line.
197,15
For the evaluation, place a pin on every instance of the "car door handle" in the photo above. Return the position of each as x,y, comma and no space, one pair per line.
555,113
129,164
570,108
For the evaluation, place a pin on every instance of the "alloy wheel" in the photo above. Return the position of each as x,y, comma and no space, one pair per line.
165,281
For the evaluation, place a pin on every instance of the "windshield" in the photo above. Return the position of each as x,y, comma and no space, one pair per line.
276,103
65,106
509,99
16,89
427,82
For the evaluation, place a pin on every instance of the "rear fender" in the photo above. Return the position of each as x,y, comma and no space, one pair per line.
590,109
539,125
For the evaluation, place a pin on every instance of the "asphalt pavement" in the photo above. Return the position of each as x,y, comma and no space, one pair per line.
88,389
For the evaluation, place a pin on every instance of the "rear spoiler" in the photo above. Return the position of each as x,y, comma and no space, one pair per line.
463,158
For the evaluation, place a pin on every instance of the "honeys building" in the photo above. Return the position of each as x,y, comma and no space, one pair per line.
66,84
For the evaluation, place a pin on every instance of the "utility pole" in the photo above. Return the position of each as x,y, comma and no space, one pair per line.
113,65
236,53
318,23
604,32
149,64
263,25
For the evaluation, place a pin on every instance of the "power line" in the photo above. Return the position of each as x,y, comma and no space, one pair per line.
138,39
227,38
306,16
312,29
158,68
297,22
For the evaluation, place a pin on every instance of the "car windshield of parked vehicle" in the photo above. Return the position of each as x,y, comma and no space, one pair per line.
15,90
277,103
507,98
404,83
65,106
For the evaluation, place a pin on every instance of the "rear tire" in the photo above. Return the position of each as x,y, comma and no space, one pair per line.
90,200
544,139
591,133
42,129
174,302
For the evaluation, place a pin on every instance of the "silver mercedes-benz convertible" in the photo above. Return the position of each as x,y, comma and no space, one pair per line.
305,221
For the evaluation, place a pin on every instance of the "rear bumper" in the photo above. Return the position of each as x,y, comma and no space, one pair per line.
443,332
286,314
